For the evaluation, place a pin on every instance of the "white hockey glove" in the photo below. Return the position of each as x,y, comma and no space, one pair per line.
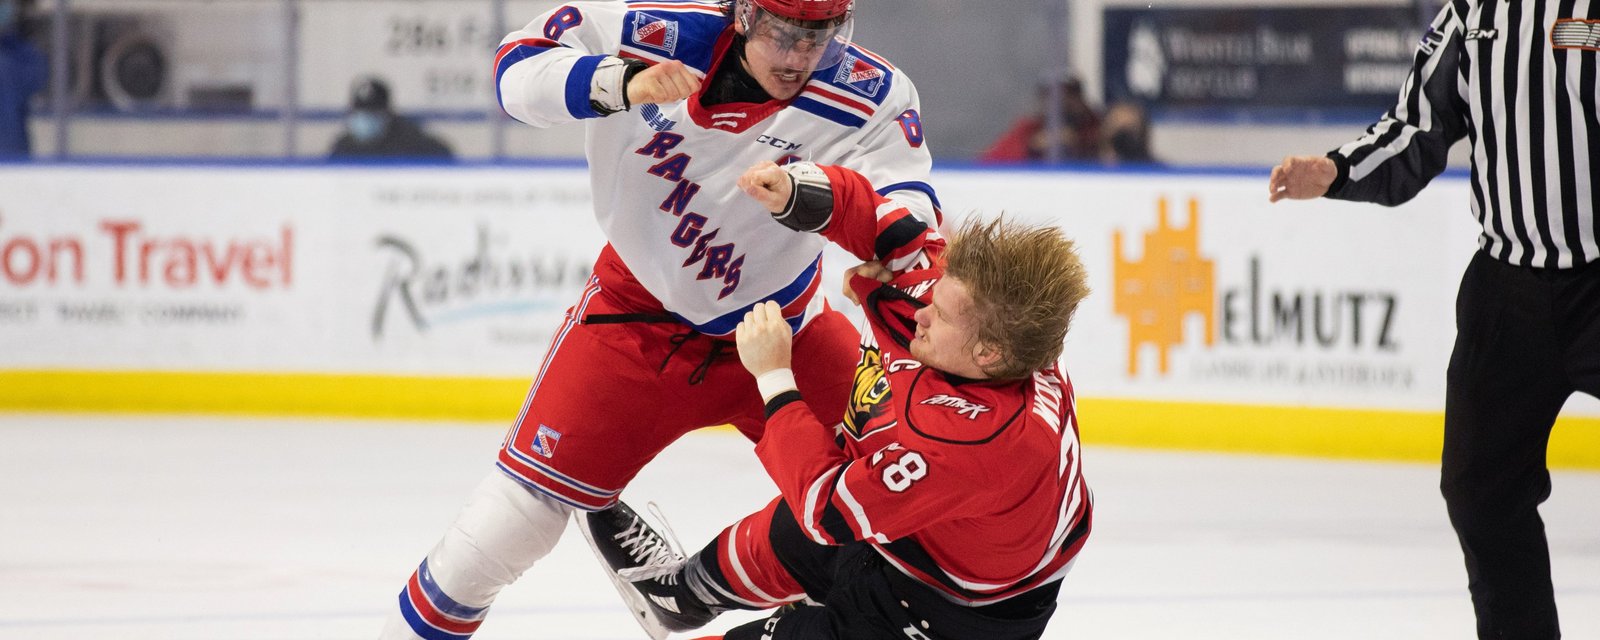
608,91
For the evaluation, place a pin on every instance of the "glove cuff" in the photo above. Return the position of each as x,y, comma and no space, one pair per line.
810,206
608,91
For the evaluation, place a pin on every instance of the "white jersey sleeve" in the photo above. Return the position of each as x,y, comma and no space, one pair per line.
893,152
544,71
665,176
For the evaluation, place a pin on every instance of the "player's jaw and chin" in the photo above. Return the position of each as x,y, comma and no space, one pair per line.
782,76
782,84
938,353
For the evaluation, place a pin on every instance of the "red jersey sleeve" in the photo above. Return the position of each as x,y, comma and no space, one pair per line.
872,227
802,458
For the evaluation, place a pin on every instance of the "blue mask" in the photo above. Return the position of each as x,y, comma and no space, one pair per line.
366,126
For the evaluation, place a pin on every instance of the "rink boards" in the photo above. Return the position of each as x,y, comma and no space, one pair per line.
1217,322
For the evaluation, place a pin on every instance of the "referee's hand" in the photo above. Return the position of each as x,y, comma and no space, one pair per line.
1302,178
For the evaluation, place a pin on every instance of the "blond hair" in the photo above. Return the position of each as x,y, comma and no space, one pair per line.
1025,281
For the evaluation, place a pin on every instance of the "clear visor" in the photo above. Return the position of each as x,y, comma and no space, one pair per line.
795,46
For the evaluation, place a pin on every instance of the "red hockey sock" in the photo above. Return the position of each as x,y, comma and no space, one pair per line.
750,565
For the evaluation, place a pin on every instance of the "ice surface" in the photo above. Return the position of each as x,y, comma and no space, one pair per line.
204,528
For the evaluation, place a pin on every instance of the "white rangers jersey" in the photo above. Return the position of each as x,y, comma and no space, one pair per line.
664,176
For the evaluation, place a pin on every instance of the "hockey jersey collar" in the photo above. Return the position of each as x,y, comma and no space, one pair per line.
733,117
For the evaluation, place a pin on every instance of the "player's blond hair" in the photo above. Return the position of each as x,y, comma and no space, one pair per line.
1025,281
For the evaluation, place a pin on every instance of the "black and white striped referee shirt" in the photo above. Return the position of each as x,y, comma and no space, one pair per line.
1517,78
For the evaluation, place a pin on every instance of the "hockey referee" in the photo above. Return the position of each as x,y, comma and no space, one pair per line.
1517,78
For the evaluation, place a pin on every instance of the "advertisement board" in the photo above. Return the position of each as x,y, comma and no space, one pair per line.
1255,57
1217,320
1204,291
395,271
435,54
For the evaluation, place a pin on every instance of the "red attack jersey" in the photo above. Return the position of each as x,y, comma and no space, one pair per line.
972,487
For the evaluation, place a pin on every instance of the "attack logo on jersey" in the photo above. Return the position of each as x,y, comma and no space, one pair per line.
869,396
962,406
544,442
860,75
656,33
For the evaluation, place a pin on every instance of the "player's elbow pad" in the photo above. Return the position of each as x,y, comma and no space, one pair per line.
810,205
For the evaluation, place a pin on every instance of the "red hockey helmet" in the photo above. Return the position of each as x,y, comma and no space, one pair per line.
809,9
809,33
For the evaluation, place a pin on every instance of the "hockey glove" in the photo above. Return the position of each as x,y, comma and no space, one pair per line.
810,206
608,91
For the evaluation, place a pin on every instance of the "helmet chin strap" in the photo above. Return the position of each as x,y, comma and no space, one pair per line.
742,12
739,45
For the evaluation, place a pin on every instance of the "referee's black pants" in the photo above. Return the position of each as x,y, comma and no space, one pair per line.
1526,340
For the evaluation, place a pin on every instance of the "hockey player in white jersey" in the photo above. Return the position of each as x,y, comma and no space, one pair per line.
678,98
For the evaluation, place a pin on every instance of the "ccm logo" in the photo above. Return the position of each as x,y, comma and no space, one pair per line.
779,143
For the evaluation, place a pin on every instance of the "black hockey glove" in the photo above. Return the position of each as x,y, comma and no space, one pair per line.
810,206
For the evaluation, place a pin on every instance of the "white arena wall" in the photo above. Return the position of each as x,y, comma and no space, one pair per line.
1317,328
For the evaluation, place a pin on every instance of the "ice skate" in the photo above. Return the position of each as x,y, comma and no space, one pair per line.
644,567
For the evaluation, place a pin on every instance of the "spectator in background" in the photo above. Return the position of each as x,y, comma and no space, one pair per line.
1029,138
23,72
1125,135
373,129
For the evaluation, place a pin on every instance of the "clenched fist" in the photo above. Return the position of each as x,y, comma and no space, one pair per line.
764,339
874,270
669,81
1302,178
768,184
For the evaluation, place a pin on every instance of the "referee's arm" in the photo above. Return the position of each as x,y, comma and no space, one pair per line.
1408,147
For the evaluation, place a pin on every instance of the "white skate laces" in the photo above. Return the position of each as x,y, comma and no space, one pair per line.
633,554
655,556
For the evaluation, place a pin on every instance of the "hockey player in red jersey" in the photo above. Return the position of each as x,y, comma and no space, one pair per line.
950,500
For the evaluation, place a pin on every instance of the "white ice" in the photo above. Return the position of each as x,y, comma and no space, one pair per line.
204,528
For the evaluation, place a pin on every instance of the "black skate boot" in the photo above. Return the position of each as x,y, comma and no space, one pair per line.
644,567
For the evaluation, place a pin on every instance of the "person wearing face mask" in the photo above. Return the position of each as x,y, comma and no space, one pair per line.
1125,135
1029,138
373,129
678,98
23,72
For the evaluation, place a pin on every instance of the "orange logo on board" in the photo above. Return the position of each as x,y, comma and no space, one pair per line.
1170,282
